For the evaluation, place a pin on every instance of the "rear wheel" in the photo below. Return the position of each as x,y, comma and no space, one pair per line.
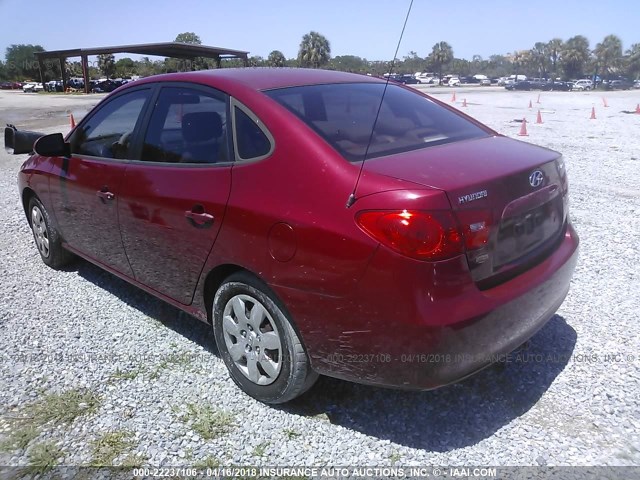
46,236
256,339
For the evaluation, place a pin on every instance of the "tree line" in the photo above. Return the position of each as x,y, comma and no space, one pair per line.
570,59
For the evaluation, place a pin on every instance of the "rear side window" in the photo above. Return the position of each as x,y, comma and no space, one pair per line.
344,115
187,126
108,132
251,138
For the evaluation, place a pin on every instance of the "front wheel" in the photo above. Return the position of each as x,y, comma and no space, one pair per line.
257,342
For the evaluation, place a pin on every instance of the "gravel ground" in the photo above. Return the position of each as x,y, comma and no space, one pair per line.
571,397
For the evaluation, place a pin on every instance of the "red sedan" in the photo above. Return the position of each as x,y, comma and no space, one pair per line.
321,222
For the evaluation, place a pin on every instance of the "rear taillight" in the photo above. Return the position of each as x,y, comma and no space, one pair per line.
416,234
476,225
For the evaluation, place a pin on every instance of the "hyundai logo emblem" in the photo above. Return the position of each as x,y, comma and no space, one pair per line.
536,179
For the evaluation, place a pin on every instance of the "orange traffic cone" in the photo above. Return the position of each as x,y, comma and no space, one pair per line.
530,105
604,102
72,121
638,108
538,101
593,113
539,117
523,128
464,102
453,97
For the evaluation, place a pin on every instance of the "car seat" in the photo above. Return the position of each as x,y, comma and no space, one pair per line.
201,132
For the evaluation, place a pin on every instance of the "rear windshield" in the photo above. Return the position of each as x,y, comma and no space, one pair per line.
344,114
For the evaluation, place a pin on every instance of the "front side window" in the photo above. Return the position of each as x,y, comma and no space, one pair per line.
108,132
187,126
344,115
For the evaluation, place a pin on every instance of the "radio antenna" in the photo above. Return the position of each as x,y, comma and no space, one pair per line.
352,198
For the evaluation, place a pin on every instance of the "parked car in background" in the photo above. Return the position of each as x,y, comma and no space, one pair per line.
518,78
104,86
76,83
32,87
583,84
485,82
479,77
408,79
425,77
469,80
454,81
561,86
54,86
455,245
540,84
621,84
10,85
636,84
520,85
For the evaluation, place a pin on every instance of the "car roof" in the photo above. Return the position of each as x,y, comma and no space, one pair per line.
262,78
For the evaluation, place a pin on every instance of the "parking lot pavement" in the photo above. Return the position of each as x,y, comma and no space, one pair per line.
41,110
149,373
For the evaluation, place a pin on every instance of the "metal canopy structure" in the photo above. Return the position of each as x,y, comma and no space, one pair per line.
165,49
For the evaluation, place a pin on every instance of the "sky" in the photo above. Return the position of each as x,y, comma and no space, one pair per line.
369,29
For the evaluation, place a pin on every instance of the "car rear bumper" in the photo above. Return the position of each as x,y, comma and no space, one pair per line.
463,350
385,342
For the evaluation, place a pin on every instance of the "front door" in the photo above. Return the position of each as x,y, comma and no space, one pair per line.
85,188
173,200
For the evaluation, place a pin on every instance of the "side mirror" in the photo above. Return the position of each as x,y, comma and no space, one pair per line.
52,145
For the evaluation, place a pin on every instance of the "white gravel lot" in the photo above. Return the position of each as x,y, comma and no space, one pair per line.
571,398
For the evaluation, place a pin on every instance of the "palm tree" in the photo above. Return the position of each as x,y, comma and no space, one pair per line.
314,50
520,60
527,63
539,58
609,53
554,52
441,55
276,59
574,56
633,60
107,64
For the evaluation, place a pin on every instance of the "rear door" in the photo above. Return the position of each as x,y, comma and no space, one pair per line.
85,188
174,199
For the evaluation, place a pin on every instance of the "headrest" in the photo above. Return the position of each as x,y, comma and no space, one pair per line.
201,126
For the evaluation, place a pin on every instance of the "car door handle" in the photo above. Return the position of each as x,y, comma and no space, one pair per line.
105,195
199,218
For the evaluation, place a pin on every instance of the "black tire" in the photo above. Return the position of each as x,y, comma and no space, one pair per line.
53,254
294,375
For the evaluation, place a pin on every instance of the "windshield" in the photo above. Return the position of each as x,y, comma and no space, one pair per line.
343,114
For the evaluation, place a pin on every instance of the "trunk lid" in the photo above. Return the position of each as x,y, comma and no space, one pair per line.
508,196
